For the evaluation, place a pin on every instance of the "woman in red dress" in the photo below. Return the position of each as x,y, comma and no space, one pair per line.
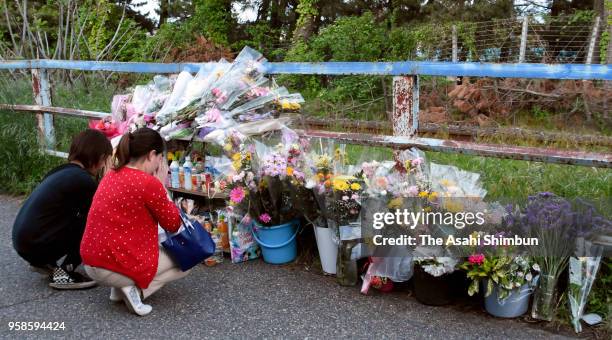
120,247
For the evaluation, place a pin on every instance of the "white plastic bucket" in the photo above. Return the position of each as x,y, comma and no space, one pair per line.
328,250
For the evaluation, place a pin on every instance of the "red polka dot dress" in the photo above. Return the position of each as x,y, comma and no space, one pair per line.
121,231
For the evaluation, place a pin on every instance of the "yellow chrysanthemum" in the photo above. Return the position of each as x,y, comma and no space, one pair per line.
227,147
289,171
432,196
340,185
237,164
407,164
247,156
452,206
355,186
396,203
237,156
446,182
423,194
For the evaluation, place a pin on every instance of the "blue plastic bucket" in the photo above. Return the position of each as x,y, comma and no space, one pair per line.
513,306
277,243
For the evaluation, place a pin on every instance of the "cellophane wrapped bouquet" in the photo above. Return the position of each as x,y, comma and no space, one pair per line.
279,195
238,182
218,98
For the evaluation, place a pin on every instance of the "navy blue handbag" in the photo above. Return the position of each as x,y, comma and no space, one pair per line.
191,246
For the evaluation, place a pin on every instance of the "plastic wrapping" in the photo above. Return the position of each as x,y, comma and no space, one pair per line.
456,182
434,261
174,101
280,196
242,244
582,274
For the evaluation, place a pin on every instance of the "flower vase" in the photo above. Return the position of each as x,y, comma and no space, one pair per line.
328,247
544,299
431,290
346,269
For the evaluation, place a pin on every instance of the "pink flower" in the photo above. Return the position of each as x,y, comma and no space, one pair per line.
355,197
213,115
345,198
417,161
382,182
265,218
237,195
413,190
476,259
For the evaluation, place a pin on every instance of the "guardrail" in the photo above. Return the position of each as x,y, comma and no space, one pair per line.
405,120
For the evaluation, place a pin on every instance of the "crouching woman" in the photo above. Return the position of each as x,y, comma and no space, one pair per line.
120,247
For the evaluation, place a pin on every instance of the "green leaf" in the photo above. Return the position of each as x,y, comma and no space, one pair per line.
473,288
489,287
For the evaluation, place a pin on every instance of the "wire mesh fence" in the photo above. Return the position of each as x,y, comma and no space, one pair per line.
558,40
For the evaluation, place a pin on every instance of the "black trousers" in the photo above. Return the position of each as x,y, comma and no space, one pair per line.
47,255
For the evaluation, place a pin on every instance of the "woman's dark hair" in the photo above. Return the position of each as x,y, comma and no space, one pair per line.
134,145
88,148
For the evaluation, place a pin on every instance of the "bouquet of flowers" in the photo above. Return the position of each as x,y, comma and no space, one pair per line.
280,195
239,181
242,178
218,97
434,261
550,219
346,203
584,263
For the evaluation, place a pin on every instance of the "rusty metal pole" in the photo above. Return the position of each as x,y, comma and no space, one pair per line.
405,120
42,96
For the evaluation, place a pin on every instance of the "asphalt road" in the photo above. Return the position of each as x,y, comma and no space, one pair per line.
251,300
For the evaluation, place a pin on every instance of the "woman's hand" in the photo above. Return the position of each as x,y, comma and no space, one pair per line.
162,171
108,165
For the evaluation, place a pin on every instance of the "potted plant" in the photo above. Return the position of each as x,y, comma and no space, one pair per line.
507,281
432,279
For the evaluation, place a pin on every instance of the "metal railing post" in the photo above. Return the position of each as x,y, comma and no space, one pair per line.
592,42
455,47
523,49
42,96
405,118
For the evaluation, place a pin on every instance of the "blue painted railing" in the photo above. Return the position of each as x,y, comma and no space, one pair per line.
524,70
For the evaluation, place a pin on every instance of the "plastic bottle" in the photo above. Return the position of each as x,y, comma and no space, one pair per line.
181,177
174,174
223,233
187,169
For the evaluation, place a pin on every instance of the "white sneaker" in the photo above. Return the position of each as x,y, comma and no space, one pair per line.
131,297
115,295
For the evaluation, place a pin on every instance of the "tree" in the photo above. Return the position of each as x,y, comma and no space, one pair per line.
177,10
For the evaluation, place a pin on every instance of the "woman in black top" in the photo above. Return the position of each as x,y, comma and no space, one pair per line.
50,224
